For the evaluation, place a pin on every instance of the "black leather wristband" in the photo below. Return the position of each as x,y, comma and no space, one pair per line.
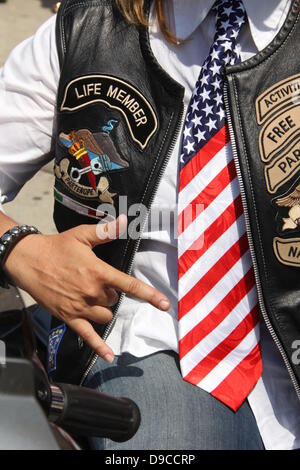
7,242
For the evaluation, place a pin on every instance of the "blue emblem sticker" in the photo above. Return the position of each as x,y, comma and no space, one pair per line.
55,338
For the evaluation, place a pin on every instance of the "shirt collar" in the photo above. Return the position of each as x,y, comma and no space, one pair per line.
265,18
189,14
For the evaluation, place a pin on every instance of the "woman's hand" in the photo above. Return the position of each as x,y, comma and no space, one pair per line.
62,273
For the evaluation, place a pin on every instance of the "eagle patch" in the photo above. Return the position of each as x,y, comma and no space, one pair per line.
287,250
90,158
291,204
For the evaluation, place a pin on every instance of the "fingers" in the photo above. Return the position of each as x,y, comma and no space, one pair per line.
98,234
96,293
84,329
100,315
111,230
136,288
112,296
111,277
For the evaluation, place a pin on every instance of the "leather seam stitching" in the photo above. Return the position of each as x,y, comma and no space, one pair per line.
63,35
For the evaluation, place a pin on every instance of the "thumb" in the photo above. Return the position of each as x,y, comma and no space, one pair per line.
98,234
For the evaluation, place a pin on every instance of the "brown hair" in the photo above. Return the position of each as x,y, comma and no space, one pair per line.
134,12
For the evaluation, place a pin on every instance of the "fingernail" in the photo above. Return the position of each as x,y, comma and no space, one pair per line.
164,305
108,358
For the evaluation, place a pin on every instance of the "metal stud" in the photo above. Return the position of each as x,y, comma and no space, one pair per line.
7,238
15,231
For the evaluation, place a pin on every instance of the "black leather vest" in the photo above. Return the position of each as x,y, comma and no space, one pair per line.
118,110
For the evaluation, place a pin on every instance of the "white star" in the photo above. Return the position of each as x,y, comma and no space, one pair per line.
216,84
221,114
225,24
204,79
211,124
187,132
189,147
227,59
197,121
228,10
227,46
182,158
218,99
215,55
234,34
222,38
200,135
240,20
205,95
208,110
237,50
194,105
215,69
195,91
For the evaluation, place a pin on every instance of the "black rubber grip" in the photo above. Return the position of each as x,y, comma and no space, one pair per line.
90,413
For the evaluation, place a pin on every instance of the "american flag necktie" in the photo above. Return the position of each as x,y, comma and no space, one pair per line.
219,345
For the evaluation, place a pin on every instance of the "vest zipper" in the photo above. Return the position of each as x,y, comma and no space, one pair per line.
110,325
251,246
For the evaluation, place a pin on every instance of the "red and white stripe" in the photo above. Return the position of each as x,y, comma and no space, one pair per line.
217,305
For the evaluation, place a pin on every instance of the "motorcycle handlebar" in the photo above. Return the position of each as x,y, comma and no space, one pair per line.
85,412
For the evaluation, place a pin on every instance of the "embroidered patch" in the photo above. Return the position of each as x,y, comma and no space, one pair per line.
54,341
278,112
278,132
277,97
117,94
287,251
283,167
289,210
89,159
278,108
82,208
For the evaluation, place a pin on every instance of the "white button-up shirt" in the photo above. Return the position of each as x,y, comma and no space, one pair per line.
28,86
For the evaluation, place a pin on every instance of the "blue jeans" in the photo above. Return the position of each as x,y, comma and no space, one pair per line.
175,414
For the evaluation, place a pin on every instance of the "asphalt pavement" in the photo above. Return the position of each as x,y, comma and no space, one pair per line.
19,19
